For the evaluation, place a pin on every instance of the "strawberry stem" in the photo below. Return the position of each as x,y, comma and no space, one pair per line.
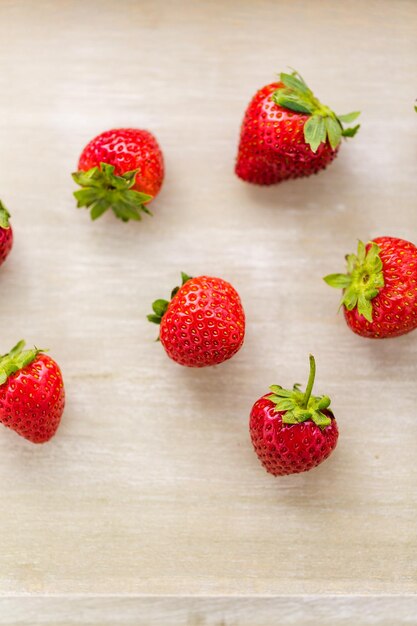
310,383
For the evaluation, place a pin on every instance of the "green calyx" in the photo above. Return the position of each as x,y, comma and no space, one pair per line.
323,124
16,360
301,406
363,281
160,306
102,189
4,217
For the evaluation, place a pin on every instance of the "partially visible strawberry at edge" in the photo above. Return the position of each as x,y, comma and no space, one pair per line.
380,288
32,394
6,233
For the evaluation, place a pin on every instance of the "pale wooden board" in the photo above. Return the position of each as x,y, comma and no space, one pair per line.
285,611
151,486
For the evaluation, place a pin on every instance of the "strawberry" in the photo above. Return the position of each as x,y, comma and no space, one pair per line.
380,288
32,395
291,430
6,233
120,169
203,324
287,133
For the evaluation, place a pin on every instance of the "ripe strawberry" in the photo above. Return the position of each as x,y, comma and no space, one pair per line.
6,233
287,133
380,288
122,169
293,431
32,395
203,324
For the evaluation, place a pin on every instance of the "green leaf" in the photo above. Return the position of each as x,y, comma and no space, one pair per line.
349,117
338,281
350,298
98,209
372,255
4,217
350,132
279,391
285,404
130,176
17,349
315,132
334,131
324,403
155,319
321,419
292,102
125,211
365,307
160,307
361,252
185,278
292,81
289,418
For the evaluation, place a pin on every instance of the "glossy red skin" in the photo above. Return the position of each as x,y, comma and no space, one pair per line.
272,146
289,448
6,243
128,149
204,323
394,309
32,400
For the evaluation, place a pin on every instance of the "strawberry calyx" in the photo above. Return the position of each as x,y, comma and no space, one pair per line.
16,359
102,189
323,125
160,306
300,406
4,217
362,282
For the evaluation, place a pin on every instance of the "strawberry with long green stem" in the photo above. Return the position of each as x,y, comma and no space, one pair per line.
291,430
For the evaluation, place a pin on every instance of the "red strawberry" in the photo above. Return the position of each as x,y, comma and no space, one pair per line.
291,430
203,324
32,395
121,169
380,288
6,233
288,133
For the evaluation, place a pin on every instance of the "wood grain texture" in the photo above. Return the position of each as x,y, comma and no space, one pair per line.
285,611
151,486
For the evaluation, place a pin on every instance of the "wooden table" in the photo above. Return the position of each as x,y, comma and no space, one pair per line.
151,489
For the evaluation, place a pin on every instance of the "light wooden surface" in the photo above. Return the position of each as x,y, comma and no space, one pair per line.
151,486
285,611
